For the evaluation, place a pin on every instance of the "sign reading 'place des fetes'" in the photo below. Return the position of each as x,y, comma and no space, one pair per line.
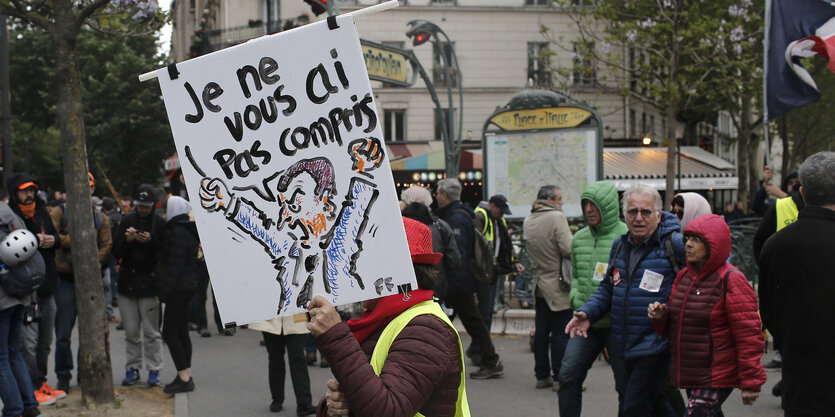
285,166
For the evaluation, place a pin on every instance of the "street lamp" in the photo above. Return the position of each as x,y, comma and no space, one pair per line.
421,31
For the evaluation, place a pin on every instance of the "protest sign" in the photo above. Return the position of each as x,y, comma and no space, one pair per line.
284,161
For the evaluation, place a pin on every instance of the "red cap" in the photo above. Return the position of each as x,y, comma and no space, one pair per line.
420,242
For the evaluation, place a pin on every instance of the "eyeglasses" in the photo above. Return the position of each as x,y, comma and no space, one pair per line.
694,238
633,212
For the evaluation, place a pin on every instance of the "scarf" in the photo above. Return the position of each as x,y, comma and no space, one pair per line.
386,309
28,210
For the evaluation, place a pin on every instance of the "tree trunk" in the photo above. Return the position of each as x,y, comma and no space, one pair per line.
672,111
94,369
744,158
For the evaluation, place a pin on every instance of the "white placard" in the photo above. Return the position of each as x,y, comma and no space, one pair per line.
282,154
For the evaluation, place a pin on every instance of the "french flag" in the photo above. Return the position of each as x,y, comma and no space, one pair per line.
797,29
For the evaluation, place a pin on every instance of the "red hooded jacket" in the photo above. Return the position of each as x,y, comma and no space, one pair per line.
714,329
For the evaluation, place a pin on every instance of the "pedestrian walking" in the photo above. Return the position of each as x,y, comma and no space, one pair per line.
712,322
590,250
176,284
548,241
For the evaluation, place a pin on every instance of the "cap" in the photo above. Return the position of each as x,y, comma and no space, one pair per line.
500,201
420,242
145,196
26,185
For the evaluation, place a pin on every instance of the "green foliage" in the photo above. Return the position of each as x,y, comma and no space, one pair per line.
126,126
811,128
689,54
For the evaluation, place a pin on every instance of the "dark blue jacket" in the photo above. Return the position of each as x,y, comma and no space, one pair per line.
459,216
632,333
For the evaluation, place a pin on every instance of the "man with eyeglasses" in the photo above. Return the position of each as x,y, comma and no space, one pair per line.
642,267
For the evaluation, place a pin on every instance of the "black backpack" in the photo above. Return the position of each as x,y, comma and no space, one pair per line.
482,262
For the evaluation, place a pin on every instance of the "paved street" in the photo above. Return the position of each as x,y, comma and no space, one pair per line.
231,378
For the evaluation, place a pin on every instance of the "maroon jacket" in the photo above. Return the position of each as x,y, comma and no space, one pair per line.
715,334
421,373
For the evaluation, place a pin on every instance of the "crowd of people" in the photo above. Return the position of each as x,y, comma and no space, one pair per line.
650,288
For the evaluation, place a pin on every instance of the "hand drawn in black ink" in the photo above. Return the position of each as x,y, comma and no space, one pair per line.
366,154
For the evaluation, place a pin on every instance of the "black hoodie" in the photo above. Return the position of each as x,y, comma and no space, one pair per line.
40,223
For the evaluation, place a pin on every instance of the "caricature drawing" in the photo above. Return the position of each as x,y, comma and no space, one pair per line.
321,238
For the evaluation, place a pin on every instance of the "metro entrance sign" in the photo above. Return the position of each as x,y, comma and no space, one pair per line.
388,64
544,118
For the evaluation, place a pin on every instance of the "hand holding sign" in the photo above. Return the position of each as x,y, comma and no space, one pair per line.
366,153
214,196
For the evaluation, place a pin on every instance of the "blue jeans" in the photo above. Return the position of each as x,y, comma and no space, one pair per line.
643,395
550,337
65,315
15,387
579,356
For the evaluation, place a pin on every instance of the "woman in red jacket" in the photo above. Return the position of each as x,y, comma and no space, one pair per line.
402,357
712,322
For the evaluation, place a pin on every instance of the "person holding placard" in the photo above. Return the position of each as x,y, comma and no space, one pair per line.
402,356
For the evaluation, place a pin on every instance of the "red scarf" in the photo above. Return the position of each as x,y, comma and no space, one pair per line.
386,309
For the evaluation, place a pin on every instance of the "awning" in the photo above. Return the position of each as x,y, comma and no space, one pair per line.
429,156
700,170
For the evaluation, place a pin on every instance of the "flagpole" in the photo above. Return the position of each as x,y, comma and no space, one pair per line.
765,81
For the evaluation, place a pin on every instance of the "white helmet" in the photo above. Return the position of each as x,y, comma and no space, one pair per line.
18,246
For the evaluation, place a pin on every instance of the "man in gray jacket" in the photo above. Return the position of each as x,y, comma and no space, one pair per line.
548,241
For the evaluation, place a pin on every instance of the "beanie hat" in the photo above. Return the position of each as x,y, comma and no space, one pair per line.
420,242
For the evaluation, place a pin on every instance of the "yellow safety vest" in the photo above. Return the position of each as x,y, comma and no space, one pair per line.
488,224
381,350
786,212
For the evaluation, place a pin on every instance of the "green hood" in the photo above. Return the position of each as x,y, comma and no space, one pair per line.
604,195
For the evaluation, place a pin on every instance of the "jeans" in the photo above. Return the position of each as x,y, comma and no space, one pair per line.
550,339
294,344
579,356
522,289
643,395
175,329
114,283
141,315
465,308
486,295
65,314
37,341
15,387
108,296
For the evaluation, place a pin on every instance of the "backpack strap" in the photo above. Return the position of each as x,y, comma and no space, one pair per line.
614,256
670,253
725,286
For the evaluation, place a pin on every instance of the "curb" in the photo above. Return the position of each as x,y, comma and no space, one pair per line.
181,405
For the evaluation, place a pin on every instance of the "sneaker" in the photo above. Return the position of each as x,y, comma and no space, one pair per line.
63,385
306,411
544,383
774,364
31,412
487,372
131,377
178,386
44,399
153,378
229,332
58,394
324,363
204,333
556,387
275,406
120,326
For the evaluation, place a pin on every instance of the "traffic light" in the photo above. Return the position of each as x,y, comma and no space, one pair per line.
317,6
419,36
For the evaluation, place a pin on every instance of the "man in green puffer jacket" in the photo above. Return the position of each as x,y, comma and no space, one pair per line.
590,251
